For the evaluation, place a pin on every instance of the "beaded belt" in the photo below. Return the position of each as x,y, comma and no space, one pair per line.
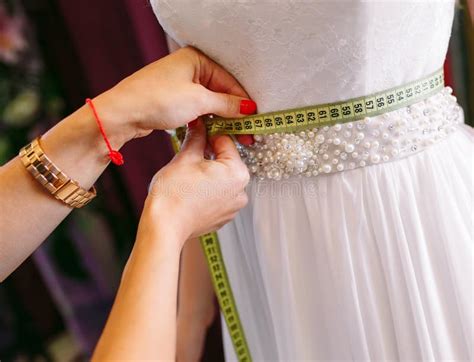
344,146
328,139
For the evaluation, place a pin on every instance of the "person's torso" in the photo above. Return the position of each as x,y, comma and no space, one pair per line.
295,53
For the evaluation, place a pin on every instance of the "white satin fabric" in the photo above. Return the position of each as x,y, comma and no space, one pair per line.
370,264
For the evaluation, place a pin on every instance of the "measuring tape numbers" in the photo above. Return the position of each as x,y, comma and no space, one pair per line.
220,281
293,120
298,119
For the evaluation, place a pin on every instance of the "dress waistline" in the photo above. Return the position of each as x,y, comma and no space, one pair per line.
345,146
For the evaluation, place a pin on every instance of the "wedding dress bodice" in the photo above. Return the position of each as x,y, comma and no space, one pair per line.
289,53
371,264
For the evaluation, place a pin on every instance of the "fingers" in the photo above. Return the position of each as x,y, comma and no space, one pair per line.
225,151
245,139
195,140
225,105
216,78
224,148
228,106
242,200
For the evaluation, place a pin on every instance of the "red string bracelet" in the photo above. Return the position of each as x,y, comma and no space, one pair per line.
115,156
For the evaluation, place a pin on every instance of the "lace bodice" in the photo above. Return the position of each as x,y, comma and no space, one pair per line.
289,53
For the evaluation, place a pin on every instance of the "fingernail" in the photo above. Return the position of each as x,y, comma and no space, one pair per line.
193,123
246,139
247,106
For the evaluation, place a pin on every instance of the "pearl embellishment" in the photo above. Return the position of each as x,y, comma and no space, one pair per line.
346,146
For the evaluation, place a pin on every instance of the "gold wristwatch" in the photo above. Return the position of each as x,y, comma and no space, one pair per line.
51,177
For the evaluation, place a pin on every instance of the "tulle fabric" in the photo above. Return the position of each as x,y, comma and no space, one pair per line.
372,264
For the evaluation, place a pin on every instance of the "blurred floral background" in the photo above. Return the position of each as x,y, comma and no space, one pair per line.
54,54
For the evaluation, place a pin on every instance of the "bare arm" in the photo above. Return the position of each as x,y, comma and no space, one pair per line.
142,324
470,8
184,86
29,214
196,303
196,299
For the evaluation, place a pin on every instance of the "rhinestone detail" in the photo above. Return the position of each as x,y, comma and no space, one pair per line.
373,140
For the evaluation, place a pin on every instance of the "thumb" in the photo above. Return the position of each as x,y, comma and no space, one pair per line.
224,148
195,140
227,105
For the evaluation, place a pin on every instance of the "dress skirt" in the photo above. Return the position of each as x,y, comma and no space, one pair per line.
370,264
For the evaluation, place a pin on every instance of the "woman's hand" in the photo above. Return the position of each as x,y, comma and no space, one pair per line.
188,197
170,93
196,195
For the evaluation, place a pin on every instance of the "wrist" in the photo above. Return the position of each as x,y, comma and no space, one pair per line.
76,146
168,218
118,123
156,236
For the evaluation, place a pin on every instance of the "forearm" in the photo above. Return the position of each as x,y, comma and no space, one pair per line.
196,306
29,213
196,293
165,94
142,324
470,7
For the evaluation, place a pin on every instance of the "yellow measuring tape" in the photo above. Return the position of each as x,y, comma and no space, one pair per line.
298,119
293,120
220,280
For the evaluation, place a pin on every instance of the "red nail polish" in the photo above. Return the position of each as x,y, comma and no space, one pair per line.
192,123
246,139
247,106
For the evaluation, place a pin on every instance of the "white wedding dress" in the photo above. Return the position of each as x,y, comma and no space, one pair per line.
371,263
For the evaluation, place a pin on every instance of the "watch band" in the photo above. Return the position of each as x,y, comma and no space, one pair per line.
52,178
